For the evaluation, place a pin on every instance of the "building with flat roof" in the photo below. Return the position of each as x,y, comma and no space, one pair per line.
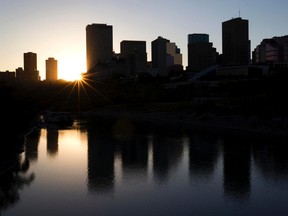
235,42
201,53
31,74
7,77
198,37
51,69
99,46
30,61
135,57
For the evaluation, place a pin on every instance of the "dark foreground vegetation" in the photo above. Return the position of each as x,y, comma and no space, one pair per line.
263,98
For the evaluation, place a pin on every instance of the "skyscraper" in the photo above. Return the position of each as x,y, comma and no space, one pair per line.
165,55
235,42
135,56
196,37
99,45
51,69
31,74
201,53
30,61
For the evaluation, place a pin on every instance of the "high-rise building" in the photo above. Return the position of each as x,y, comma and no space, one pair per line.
135,57
159,55
196,38
51,69
99,45
201,53
165,55
272,51
235,42
30,61
31,74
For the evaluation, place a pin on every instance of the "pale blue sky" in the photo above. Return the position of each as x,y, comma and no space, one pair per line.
57,28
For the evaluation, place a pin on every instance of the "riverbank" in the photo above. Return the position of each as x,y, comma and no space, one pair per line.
170,115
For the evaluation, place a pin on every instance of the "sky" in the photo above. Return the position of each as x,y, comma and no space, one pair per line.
56,28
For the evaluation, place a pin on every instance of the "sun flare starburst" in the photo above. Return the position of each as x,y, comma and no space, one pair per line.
71,68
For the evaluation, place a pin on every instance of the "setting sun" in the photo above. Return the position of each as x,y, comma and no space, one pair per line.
70,67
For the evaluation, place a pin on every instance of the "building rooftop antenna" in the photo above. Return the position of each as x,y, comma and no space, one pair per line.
239,13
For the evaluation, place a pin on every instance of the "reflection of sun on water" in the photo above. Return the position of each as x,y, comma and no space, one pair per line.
71,67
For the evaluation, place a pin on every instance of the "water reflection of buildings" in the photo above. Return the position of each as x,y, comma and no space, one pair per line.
271,159
163,155
52,142
167,152
135,157
31,147
100,162
237,168
203,156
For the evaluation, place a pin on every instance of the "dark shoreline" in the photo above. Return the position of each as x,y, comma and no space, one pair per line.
276,129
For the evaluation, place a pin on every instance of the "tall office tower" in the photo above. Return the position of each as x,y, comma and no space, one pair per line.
51,69
159,55
235,42
99,45
197,38
30,61
135,56
30,67
201,53
165,55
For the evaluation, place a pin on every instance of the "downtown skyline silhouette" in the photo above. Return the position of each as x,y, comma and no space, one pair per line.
64,32
143,108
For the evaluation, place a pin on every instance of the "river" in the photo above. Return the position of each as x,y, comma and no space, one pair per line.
120,167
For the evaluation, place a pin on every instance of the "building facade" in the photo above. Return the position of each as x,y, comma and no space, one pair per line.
51,69
166,56
30,61
235,42
201,53
99,46
197,38
135,57
31,74
175,52
272,51
7,77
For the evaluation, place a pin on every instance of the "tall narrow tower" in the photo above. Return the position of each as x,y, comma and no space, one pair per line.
31,73
51,69
30,61
99,45
235,42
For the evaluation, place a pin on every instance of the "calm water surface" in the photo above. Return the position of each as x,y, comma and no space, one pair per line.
121,168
